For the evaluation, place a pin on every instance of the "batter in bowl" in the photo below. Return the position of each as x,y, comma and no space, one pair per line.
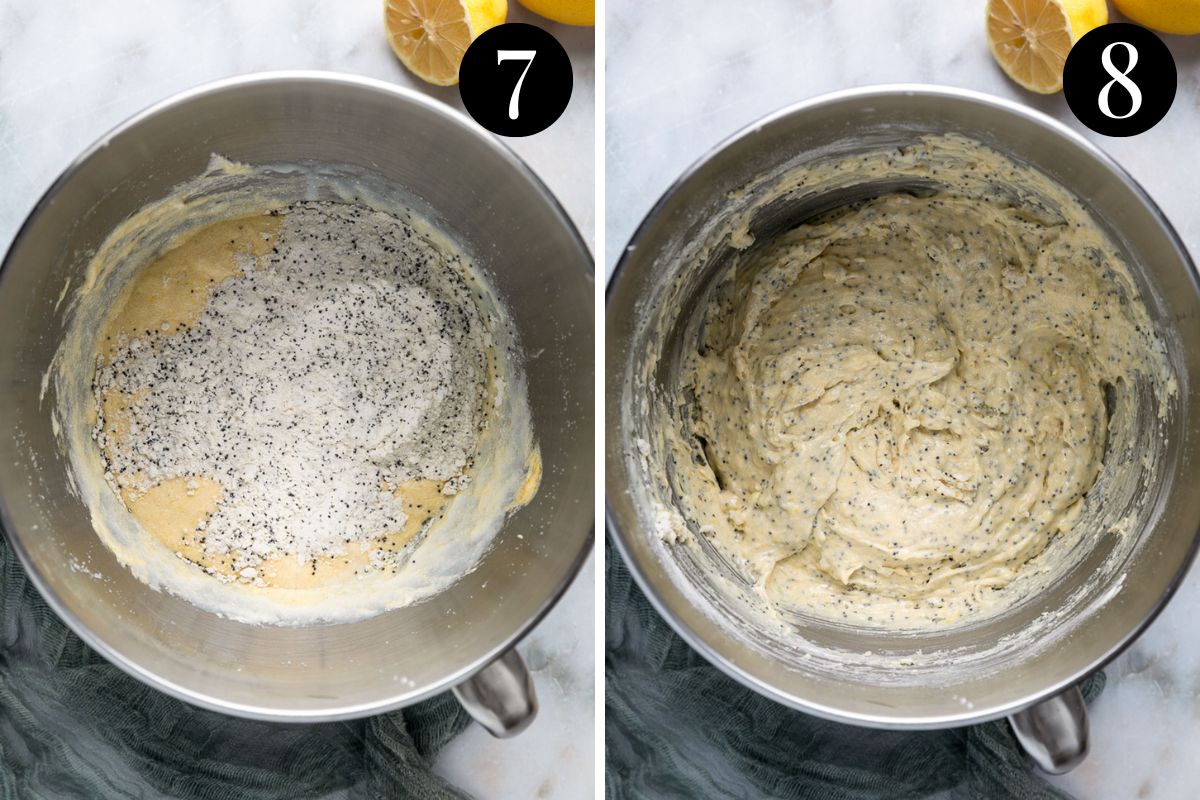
892,411
295,410
288,398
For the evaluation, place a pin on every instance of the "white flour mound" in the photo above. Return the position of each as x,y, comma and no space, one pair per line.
349,359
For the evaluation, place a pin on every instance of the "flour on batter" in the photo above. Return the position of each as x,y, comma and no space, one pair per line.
893,410
287,399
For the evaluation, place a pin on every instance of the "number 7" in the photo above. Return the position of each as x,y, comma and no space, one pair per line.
516,55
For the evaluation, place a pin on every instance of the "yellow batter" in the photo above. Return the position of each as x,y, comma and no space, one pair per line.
895,409
169,293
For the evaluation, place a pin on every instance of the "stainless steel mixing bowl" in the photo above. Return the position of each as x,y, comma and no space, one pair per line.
1086,618
502,215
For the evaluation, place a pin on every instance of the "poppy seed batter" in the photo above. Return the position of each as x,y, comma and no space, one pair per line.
894,409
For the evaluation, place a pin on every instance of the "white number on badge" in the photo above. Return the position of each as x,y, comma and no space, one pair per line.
1135,94
517,55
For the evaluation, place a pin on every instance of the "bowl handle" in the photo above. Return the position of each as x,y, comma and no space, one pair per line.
500,697
1055,731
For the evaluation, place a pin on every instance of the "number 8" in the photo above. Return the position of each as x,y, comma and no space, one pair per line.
1122,78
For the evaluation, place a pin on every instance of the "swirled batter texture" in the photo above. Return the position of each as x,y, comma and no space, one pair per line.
897,408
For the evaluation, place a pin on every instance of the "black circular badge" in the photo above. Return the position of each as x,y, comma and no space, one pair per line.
1120,79
515,79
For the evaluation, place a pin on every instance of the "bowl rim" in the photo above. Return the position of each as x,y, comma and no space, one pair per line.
207,700
623,539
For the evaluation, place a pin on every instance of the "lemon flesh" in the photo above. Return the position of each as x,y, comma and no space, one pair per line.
431,36
1030,39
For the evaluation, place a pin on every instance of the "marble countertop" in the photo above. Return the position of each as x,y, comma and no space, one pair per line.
70,70
679,79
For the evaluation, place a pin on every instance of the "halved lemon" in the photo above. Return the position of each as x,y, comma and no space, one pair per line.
1030,39
430,36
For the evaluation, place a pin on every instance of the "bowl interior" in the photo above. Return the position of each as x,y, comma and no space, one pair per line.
466,183
976,671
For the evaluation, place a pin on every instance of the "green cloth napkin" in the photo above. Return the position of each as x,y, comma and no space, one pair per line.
74,726
677,727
